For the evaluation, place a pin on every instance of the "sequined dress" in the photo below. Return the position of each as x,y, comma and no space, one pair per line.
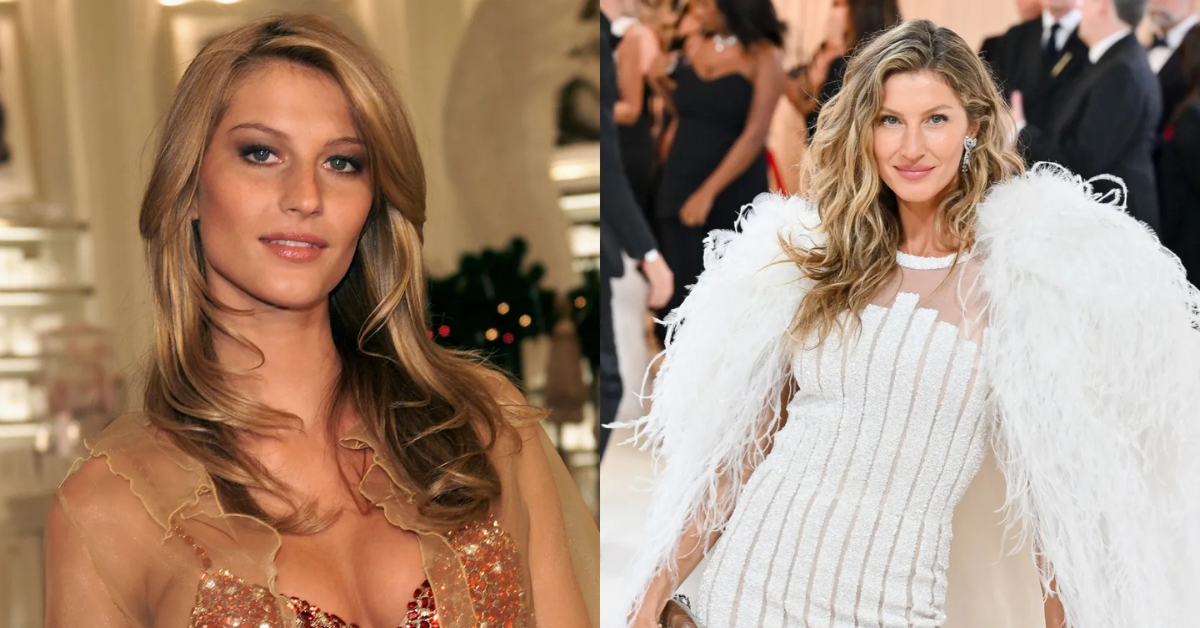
847,521
224,599
168,555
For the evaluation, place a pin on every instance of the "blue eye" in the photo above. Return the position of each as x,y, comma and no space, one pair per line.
256,154
889,120
344,164
937,118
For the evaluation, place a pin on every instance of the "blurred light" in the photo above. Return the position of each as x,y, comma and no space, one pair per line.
525,320
502,308
227,1
444,331
429,332
580,302
171,3
569,171
509,338
491,334
41,439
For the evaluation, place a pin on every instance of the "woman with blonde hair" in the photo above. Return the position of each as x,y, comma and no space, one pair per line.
307,456
862,376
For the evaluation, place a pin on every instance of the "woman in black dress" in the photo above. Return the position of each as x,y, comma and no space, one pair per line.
726,84
636,45
850,23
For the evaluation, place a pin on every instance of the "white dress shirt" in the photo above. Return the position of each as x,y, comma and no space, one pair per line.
1174,38
1095,53
1066,26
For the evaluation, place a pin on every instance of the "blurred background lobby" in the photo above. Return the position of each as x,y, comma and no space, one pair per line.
504,98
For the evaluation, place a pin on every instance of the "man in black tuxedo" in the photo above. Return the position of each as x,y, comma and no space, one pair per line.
1173,19
1106,123
623,227
1041,57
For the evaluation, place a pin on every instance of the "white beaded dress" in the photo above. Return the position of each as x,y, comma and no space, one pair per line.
847,522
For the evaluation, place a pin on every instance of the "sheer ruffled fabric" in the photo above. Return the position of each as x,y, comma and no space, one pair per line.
169,556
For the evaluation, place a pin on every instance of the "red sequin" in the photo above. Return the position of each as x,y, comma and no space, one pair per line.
488,556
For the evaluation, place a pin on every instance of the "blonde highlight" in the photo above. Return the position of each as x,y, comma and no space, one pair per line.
859,215
429,407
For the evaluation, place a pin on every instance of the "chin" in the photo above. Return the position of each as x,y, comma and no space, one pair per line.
915,193
290,296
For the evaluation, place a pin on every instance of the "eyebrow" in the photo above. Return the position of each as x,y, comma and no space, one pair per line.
258,126
927,111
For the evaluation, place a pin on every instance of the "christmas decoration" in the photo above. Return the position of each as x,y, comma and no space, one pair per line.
491,304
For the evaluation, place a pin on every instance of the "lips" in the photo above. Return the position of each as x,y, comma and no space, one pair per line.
295,246
914,173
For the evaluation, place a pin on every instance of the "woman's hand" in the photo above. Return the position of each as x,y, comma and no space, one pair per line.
657,596
697,208
644,622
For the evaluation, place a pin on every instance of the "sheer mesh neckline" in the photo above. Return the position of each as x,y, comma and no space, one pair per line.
917,262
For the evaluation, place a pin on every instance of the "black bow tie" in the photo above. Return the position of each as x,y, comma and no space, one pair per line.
1159,42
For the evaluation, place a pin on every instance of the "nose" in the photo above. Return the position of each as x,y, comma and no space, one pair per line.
302,190
913,147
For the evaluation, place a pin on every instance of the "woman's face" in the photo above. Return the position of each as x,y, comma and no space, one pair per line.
284,190
837,25
918,136
708,15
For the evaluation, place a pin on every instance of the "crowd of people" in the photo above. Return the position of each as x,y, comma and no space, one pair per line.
697,83
915,372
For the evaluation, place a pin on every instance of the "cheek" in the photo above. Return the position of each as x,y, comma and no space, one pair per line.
885,143
947,146
226,204
347,204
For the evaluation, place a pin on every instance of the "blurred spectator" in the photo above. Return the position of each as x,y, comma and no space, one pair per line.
1042,58
726,83
1106,123
850,22
1172,19
1179,164
623,229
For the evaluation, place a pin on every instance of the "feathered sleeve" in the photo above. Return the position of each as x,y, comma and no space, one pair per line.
716,398
1096,381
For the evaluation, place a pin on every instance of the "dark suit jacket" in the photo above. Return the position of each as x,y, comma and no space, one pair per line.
992,51
1179,189
1018,64
1106,126
1173,84
623,226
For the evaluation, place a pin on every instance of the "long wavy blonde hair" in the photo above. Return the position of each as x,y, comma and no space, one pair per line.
428,406
859,213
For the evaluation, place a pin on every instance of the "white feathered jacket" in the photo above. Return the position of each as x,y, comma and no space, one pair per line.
1094,383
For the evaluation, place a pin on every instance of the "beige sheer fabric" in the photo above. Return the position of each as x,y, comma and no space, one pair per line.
145,533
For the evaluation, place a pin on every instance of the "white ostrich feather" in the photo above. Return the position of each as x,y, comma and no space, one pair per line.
1094,374
1095,377
718,389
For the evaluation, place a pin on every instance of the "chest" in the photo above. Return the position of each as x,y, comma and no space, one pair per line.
901,359
711,63
361,567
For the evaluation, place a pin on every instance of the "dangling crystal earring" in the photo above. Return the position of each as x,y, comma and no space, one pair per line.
968,143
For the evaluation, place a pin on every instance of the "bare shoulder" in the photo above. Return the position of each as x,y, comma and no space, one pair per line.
131,466
93,482
768,59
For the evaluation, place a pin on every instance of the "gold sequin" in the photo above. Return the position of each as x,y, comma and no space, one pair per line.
489,559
